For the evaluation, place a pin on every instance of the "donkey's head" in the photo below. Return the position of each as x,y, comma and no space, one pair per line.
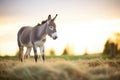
51,28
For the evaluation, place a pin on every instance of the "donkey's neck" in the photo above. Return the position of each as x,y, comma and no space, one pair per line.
41,31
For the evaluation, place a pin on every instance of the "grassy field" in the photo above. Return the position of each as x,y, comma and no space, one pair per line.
87,67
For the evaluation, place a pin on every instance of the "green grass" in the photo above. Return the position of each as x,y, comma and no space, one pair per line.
68,57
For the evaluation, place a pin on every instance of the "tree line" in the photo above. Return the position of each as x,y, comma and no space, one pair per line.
112,46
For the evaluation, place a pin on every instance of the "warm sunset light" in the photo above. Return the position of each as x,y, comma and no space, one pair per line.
84,25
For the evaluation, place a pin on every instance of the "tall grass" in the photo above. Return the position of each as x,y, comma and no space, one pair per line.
61,68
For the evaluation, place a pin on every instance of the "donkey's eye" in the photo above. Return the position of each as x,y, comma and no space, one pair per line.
51,27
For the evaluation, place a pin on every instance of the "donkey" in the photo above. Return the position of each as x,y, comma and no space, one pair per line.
35,37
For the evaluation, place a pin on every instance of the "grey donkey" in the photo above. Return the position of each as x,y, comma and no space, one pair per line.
33,37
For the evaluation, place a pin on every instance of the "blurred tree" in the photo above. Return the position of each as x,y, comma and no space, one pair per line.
65,52
52,52
117,39
68,50
106,47
86,52
112,47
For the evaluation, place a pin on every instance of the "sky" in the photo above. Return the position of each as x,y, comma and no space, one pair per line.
84,25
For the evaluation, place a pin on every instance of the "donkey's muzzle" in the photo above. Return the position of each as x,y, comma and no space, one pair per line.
55,37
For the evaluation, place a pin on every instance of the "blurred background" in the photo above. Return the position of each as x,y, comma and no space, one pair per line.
83,26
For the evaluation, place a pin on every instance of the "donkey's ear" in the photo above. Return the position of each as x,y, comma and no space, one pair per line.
49,17
55,17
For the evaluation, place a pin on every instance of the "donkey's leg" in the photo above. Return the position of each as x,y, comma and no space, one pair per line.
27,54
42,53
21,53
35,52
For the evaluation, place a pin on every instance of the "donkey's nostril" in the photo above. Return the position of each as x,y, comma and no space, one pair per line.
55,37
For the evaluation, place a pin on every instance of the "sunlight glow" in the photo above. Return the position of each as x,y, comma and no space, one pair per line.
84,25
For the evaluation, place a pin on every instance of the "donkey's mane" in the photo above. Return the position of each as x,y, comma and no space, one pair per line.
44,21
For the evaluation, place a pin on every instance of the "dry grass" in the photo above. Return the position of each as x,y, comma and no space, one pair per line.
60,69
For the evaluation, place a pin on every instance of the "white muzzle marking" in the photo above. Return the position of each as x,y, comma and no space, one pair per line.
54,35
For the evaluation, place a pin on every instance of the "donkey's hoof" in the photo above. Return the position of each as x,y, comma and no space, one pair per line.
36,58
21,60
43,58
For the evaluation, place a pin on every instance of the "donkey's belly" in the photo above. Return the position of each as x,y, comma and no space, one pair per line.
39,43
28,45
